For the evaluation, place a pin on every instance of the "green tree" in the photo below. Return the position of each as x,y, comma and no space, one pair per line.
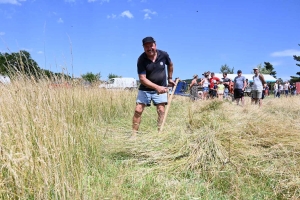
266,69
113,76
227,69
280,80
20,62
296,78
90,77
269,68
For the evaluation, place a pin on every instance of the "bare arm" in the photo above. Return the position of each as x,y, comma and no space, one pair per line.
170,74
262,78
192,83
202,81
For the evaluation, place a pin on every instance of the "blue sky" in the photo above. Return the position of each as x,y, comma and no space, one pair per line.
80,36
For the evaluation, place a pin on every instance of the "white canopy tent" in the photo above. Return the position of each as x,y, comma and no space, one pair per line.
4,79
268,78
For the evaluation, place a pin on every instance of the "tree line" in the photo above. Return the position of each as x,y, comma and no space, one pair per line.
12,64
21,63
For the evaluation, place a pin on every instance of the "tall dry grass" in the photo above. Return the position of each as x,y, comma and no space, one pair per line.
64,143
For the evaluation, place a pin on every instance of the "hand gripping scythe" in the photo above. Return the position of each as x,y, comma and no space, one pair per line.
168,106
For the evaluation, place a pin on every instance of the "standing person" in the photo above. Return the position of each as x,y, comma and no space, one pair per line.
213,79
280,88
247,83
239,87
258,86
214,91
205,83
276,89
194,88
293,89
266,90
153,88
220,89
226,83
286,88
269,89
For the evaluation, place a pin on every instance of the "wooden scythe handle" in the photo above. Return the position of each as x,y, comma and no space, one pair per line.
168,106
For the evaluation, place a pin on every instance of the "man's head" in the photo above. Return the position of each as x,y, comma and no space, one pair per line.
212,74
239,72
224,74
149,46
255,70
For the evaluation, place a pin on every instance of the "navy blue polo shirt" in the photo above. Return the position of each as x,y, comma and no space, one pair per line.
155,71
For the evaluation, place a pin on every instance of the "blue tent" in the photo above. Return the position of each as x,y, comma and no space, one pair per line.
181,88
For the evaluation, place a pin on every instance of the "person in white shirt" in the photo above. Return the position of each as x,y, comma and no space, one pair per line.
205,84
259,84
286,88
280,88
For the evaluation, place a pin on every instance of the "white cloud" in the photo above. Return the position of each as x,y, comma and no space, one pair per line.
14,2
101,1
60,21
148,13
127,13
146,16
2,33
276,63
112,16
289,52
40,52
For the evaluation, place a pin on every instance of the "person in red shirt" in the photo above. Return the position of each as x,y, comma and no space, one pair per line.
211,83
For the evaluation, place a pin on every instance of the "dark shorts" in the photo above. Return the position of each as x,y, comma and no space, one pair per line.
286,92
238,93
212,92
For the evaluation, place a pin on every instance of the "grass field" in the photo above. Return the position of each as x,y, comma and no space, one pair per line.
73,143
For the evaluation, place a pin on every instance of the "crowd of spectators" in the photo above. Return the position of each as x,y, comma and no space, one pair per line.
212,87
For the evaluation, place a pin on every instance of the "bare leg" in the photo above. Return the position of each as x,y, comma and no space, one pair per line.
204,95
243,101
160,108
237,101
136,120
220,96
